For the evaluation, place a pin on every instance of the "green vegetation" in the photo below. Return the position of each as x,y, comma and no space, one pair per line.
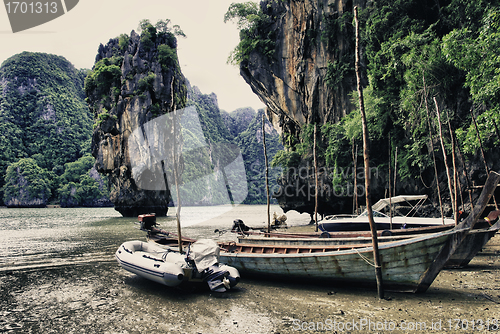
105,75
43,114
414,52
255,35
79,187
104,83
26,182
225,136
252,150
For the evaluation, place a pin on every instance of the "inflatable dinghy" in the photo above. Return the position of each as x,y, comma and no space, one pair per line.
171,268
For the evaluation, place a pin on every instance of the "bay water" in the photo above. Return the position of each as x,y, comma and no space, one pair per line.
45,237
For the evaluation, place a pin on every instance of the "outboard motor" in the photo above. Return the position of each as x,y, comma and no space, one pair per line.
147,221
205,255
216,278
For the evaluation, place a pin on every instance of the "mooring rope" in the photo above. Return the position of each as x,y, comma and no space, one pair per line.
366,259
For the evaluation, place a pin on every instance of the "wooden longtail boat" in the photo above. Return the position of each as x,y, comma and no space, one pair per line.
407,265
404,262
475,240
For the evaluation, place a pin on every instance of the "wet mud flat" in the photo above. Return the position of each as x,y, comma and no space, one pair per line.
100,297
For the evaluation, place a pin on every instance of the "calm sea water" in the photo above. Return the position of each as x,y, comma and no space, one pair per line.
31,238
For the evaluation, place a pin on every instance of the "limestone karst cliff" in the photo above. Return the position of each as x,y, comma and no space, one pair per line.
293,82
298,57
135,79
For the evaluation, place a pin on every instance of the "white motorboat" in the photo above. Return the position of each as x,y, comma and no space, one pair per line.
171,268
383,221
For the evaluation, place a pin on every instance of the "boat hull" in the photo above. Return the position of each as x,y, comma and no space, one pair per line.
475,240
144,260
171,268
362,224
403,263
472,244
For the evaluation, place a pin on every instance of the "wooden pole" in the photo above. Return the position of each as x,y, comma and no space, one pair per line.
176,180
455,180
316,187
431,136
395,170
450,186
366,154
465,172
355,176
482,151
267,173
390,190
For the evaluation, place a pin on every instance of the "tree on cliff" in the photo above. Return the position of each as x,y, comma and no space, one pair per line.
254,35
414,51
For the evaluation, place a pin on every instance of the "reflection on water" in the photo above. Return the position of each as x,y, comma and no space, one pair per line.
31,238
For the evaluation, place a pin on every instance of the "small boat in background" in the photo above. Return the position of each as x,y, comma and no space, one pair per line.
382,221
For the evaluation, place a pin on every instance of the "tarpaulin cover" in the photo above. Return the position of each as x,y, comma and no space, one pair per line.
205,252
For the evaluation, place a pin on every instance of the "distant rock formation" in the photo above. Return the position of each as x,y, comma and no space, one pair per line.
43,113
135,79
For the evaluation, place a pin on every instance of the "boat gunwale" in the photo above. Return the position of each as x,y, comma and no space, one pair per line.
354,250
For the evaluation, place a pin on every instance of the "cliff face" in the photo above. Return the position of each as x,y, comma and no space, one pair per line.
135,79
307,80
293,83
298,57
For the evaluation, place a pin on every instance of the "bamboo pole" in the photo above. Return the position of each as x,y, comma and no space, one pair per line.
453,157
390,190
176,180
316,181
267,173
395,170
366,154
464,170
450,186
431,136
355,166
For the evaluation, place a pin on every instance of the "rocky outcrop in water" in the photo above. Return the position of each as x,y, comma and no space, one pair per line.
135,79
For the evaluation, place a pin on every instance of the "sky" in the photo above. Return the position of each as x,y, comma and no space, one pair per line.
202,55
